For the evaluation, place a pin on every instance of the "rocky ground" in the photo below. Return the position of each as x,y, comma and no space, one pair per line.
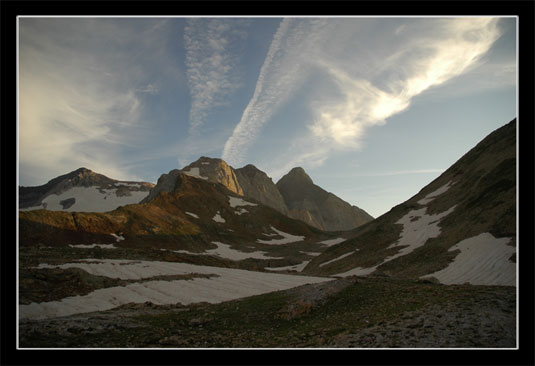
349,313
477,322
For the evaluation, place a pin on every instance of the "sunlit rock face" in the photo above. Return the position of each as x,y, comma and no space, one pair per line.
215,170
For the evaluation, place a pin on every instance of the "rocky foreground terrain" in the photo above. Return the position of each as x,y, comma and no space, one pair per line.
346,313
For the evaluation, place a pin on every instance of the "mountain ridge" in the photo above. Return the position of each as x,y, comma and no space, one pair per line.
470,208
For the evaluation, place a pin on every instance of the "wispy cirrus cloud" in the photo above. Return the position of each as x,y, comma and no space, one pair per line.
82,84
281,75
368,77
212,56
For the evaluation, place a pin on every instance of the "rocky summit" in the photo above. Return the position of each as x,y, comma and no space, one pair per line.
317,207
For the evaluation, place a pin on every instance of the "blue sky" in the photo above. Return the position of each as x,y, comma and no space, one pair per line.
372,108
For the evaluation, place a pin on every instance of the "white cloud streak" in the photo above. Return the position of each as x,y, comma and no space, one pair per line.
372,76
282,73
212,48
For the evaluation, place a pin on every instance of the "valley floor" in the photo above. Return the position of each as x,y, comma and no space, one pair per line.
354,312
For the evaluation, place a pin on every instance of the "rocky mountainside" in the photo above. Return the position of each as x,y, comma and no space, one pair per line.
295,195
317,207
459,228
257,185
82,190
215,170
186,215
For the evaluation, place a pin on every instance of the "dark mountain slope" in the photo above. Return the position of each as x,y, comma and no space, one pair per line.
465,218
317,207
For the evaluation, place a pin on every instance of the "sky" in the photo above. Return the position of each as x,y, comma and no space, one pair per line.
373,108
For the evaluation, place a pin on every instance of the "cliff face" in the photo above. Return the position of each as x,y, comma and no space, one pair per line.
257,185
216,171
317,207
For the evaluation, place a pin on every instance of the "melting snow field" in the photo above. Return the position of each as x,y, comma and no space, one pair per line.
225,251
483,260
229,285
287,238
195,173
90,199
417,229
236,202
332,242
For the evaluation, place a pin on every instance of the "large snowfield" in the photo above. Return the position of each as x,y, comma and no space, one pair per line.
90,199
229,284
483,260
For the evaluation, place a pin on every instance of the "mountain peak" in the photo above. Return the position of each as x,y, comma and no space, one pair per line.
214,170
297,174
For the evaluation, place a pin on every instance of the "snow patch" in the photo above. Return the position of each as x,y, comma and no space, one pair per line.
287,238
337,258
205,163
297,267
417,229
231,284
331,242
218,218
195,173
431,196
240,211
236,202
89,246
137,185
90,199
314,254
192,214
118,238
483,260
225,251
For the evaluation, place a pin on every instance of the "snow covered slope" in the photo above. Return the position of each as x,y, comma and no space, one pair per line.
460,228
82,191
